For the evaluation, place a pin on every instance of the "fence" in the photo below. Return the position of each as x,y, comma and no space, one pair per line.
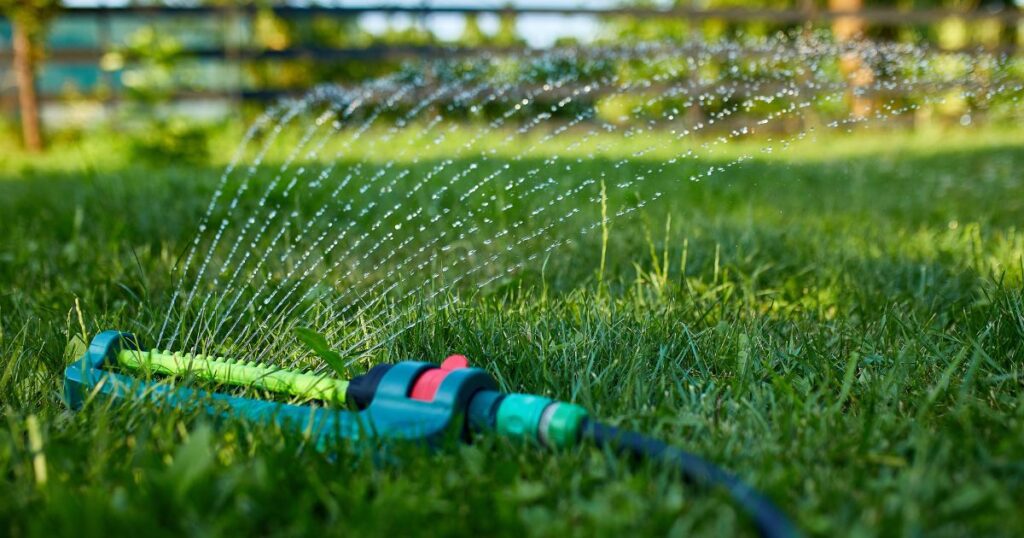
90,33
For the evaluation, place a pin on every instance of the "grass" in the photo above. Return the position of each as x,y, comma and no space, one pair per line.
841,324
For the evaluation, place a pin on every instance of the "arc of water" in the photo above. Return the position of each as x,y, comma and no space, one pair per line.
363,189
379,222
292,111
250,133
462,259
464,196
514,267
402,89
306,137
230,284
641,178
456,280
508,271
642,203
349,110
366,186
268,252
359,301
657,194
407,240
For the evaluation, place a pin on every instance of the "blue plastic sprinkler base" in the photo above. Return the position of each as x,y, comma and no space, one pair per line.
391,414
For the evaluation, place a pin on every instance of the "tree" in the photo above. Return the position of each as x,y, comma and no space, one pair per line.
507,34
472,34
857,73
28,21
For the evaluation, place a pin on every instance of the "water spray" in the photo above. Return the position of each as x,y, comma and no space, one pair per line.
410,400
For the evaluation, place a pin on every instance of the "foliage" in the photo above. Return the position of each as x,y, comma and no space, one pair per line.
153,57
172,141
472,34
32,15
952,32
317,343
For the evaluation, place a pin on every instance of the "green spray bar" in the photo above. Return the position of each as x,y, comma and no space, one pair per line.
234,372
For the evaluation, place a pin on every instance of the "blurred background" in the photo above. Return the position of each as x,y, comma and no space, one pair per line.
72,66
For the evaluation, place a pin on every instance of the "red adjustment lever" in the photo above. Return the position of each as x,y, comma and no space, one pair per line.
426,385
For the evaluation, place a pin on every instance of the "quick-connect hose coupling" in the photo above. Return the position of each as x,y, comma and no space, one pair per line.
539,419
561,424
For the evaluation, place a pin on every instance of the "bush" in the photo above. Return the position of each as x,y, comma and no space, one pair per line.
174,141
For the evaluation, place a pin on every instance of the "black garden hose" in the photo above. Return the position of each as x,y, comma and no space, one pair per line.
770,521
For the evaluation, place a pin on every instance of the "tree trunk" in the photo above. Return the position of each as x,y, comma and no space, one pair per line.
851,65
28,99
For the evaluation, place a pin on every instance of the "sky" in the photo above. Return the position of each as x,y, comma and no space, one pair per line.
537,30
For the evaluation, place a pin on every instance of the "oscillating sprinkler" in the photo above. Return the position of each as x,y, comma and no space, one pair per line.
409,400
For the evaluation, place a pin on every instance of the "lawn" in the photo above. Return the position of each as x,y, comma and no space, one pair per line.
841,324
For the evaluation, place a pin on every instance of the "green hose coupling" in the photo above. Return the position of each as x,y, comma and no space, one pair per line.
560,424
540,419
519,416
